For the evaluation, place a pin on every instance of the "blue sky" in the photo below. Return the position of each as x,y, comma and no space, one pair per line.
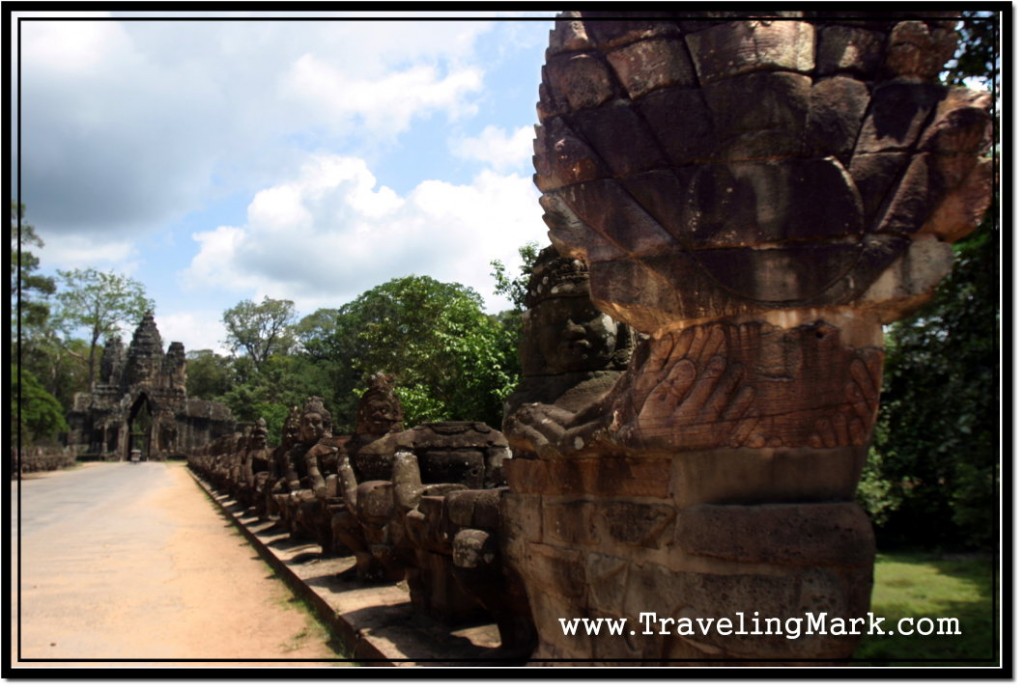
247,154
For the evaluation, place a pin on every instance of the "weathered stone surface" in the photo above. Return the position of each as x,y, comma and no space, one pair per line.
837,108
898,113
918,51
610,30
758,102
569,35
680,120
963,209
739,47
816,534
565,159
577,81
874,175
645,66
606,577
522,518
766,475
849,49
569,523
479,508
620,137
634,523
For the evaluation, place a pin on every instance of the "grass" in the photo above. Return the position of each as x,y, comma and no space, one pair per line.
927,586
314,627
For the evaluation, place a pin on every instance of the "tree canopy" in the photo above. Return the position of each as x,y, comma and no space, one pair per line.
447,355
260,331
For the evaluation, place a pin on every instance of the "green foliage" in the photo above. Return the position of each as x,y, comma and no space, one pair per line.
514,287
314,334
977,56
262,330
37,415
270,391
448,357
936,437
29,290
209,375
100,304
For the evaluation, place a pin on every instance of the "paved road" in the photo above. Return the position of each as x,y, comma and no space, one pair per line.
122,561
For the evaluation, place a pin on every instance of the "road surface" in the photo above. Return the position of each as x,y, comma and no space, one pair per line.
127,564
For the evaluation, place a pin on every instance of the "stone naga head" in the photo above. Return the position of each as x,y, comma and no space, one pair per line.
719,168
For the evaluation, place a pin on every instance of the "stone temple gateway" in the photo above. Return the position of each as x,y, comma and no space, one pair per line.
140,402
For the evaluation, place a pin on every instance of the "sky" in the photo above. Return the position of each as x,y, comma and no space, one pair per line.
302,156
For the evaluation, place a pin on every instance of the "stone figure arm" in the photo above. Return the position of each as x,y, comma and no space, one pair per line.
347,483
550,431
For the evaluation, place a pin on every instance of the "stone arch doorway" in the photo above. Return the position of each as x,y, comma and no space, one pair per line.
140,428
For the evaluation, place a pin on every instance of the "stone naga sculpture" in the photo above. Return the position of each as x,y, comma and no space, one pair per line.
759,196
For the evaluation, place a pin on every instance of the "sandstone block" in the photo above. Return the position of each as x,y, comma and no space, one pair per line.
735,48
837,109
577,81
646,66
522,516
849,49
759,101
680,120
620,137
748,476
816,534
569,522
634,523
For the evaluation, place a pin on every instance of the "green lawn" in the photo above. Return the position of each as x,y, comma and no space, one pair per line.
917,585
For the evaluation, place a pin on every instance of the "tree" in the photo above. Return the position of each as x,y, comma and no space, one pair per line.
209,374
38,416
29,290
260,330
315,332
514,287
102,304
445,352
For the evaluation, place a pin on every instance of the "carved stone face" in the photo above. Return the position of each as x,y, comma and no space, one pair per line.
259,438
567,334
312,427
380,414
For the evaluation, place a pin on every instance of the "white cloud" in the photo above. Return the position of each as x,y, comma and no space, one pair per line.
498,149
195,329
164,114
384,106
78,251
330,233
